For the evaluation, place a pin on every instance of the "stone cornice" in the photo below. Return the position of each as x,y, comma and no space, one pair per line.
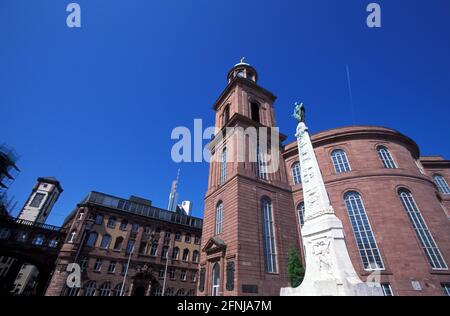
356,132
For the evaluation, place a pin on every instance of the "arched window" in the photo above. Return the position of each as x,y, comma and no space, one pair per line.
270,257
195,256
72,237
365,239
105,241
112,222
296,173
215,280
105,289
157,291
118,243
223,167
219,211
117,290
180,292
154,249
254,107
340,161
191,292
441,184
186,255
72,291
301,214
92,239
90,289
164,252
38,240
175,253
386,157
169,292
427,242
226,115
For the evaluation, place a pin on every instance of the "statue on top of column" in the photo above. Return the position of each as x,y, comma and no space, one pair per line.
299,112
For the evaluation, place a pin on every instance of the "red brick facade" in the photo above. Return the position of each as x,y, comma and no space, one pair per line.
406,267
128,223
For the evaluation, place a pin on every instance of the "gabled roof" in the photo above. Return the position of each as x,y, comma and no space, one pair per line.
214,245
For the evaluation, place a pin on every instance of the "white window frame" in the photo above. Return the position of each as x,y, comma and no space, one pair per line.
219,218
363,232
296,173
386,157
270,254
340,161
432,252
442,184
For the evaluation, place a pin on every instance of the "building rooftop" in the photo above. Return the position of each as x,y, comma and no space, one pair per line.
141,208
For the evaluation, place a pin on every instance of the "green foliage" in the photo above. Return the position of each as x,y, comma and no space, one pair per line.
296,271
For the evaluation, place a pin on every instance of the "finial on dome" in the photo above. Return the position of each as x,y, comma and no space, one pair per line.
242,60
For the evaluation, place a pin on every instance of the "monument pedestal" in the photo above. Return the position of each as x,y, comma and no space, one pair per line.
329,270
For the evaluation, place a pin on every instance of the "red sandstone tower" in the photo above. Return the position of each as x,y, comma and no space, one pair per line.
249,222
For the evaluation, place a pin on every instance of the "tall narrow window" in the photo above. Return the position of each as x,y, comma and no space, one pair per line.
441,184
215,280
223,167
175,253
92,239
262,173
105,241
386,157
270,257
340,161
226,115
301,214
90,289
118,243
219,211
296,173
365,239
387,289
255,112
446,288
426,239
105,289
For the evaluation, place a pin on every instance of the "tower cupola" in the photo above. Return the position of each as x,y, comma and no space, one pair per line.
243,70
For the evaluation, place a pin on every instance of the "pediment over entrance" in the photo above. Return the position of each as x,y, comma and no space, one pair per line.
214,245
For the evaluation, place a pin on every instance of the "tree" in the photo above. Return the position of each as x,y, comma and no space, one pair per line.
296,271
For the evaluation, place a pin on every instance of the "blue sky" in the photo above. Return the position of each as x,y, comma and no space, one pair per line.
95,107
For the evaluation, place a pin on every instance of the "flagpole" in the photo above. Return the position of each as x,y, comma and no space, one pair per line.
126,271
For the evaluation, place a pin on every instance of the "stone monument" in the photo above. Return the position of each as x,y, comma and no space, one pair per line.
329,270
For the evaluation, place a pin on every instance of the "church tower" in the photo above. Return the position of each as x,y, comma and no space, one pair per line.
249,220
